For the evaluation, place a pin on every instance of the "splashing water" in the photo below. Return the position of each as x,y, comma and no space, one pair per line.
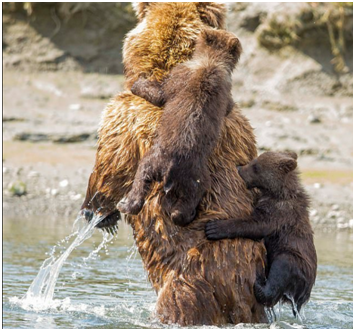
40,293
294,307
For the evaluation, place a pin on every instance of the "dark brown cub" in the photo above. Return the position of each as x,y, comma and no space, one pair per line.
196,98
280,218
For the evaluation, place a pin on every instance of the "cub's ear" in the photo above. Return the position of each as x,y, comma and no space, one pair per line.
212,14
291,154
287,164
209,36
141,9
235,48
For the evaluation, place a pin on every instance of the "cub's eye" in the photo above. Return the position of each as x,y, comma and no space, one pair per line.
255,168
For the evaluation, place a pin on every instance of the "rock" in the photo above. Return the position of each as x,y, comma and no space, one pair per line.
17,188
317,185
12,119
33,174
64,183
313,119
34,137
71,138
54,192
56,138
73,196
313,212
75,106
335,207
53,55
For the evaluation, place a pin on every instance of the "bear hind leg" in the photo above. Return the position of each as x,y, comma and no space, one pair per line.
280,275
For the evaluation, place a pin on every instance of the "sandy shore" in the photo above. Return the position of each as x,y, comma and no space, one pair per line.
50,123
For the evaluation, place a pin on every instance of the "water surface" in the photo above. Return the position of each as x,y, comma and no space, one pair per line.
111,290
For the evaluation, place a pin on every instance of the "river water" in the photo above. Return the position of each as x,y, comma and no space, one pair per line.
110,289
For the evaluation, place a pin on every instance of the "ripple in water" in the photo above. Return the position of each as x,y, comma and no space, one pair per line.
95,290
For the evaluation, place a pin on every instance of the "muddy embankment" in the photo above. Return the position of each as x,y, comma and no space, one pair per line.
62,63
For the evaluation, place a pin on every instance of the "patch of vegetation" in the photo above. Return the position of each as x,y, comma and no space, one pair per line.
330,176
117,14
312,21
17,188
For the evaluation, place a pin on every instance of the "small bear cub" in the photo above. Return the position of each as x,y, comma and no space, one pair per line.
281,218
196,96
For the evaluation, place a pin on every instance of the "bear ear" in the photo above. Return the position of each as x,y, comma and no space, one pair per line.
291,154
141,9
209,36
288,164
236,48
212,13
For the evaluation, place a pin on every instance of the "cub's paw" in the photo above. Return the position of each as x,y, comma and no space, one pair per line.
136,87
259,293
130,206
264,295
216,230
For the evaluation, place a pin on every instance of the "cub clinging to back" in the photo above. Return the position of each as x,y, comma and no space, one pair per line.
196,97
280,218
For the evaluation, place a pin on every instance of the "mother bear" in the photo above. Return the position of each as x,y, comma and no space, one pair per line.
197,281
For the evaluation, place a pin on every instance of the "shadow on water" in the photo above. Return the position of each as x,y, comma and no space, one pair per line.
110,289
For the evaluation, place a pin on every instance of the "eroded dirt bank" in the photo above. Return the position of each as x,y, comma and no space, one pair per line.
292,96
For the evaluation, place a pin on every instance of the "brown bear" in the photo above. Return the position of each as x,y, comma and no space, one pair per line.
280,218
197,281
197,96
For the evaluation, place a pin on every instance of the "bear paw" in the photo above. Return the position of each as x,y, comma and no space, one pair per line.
129,206
259,293
214,230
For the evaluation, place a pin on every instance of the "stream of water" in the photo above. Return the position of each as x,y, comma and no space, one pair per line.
102,283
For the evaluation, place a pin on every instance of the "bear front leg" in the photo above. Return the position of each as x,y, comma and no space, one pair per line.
146,173
234,228
151,91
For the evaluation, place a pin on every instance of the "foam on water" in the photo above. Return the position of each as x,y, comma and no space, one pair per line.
40,294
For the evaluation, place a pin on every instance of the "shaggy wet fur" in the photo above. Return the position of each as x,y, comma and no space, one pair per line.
197,97
197,281
280,218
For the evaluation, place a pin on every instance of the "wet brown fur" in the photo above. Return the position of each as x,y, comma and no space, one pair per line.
197,281
196,97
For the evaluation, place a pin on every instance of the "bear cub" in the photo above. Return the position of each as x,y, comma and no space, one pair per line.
281,218
196,97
